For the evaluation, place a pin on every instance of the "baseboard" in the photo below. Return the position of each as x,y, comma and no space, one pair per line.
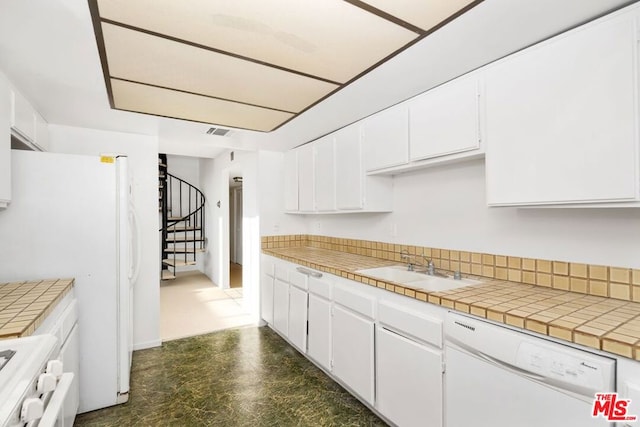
147,344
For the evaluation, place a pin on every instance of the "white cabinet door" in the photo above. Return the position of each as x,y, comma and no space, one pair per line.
5,142
445,120
297,333
349,173
23,119
561,119
70,357
281,306
325,178
319,338
353,351
306,186
386,138
291,180
408,381
266,298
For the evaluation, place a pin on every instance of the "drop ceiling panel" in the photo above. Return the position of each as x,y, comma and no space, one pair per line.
422,14
331,39
140,57
162,102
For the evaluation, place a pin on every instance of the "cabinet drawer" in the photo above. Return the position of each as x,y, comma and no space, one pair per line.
320,287
281,272
361,304
412,323
267,266
298,280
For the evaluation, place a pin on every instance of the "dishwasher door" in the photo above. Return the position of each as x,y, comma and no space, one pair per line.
498,377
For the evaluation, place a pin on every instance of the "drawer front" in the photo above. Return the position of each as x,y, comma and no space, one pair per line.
320,287
411,323
298,280
359,303
281,272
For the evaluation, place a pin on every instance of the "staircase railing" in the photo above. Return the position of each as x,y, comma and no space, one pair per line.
183,223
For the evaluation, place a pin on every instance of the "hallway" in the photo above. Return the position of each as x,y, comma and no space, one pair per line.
192,305
238,377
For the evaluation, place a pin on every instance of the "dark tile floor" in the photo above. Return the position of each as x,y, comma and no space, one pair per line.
237,377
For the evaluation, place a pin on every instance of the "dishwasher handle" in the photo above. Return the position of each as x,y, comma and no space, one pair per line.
308,272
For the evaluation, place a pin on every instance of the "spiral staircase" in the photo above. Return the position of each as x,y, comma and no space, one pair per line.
182,209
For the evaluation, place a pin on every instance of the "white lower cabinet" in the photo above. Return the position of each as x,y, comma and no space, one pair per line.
266,298
297,333
319,339
70,356
408,380
281,306
353,342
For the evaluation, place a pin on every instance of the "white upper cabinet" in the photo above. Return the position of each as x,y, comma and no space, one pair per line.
445,120
562,118
306,186
41,132
291,180
325,177
349,172
386,138
331,177
5,142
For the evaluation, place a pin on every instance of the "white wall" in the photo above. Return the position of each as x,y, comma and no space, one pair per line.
142,151
445,207
273,220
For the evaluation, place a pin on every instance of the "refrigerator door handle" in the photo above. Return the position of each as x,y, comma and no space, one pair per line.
134,262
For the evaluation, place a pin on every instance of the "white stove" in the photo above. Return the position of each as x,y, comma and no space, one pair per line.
32,382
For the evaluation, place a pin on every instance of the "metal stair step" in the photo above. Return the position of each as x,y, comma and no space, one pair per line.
177,262
167,275
184,250
177,229
183,239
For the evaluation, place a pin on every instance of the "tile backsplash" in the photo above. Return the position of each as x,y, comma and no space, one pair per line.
606,281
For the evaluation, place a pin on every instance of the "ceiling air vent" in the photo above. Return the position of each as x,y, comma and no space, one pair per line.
217,131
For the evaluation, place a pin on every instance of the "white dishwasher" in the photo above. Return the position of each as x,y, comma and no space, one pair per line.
499,377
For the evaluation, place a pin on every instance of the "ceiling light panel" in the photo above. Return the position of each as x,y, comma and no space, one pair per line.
330,39
424,14
140,57
168,103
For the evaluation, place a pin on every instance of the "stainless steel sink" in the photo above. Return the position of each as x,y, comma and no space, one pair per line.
400,274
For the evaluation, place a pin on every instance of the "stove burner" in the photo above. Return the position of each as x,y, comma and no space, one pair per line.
5,356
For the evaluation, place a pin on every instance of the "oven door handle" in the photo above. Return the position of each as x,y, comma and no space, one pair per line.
54,408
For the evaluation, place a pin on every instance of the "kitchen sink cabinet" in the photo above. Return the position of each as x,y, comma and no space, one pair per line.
5,142
324,166
445,120
562,117
281,306
409,366
386,138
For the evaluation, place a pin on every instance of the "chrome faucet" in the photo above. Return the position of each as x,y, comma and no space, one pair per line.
404,254
431,268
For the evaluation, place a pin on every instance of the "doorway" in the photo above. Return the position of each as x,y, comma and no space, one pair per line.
235,230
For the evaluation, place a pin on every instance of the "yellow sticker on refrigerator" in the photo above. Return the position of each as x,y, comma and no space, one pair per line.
107,159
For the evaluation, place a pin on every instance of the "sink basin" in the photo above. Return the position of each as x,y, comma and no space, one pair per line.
395,273
438,284
400,274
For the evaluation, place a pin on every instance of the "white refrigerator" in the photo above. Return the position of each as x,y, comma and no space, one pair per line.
72,216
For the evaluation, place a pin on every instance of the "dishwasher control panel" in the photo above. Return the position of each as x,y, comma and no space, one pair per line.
547,362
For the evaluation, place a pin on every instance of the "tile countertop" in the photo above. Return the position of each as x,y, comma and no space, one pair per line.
25,305
602,323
